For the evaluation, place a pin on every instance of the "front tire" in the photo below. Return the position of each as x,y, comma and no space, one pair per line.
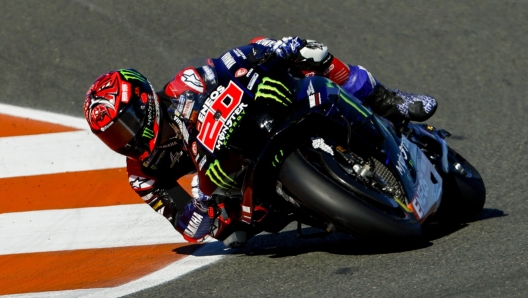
341,207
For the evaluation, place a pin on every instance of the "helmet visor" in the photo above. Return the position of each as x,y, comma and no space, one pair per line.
122,135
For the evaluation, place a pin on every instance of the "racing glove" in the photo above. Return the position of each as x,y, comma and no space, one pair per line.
193,221
288,47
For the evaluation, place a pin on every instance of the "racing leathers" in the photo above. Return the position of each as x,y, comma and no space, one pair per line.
154,179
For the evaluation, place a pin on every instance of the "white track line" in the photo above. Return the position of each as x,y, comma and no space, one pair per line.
55,153
61,119
84,228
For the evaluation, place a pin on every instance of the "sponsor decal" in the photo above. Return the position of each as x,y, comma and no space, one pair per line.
314,45
420,198
168,145
202,162
228,60
182,128
160,156
148,133
230,125
266,42
147,197
107,126
403,156
320,144
277,159
129,74
194,148
152,109
220,107
309,74
147,162
187,108
314,99
294,44
249,72
218,176
275,90
180,102
158,205
209,74
125,92
252,81
328,57
140,183
192,79
174,157
240,72
193,225
329,69
239,53
144,98
209,102
310,90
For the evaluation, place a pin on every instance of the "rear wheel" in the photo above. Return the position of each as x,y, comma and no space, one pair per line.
464,192
353,193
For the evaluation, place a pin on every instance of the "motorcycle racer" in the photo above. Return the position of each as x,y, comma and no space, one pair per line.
125,112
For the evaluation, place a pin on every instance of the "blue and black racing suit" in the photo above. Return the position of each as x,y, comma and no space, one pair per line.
154,179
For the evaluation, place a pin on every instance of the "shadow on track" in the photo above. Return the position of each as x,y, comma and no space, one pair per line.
287,243
436,231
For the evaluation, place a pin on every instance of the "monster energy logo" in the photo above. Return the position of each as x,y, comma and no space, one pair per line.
132,74
148,133
275,90
278,158
218,176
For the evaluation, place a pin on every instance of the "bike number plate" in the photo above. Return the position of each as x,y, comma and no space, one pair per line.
426,199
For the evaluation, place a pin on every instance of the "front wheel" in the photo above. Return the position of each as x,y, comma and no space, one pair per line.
313,183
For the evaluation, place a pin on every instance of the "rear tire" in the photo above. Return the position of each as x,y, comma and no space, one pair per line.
464,192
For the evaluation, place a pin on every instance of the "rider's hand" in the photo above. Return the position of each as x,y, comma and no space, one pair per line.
197,194
288,47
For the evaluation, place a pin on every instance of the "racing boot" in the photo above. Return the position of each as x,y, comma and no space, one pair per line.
396,105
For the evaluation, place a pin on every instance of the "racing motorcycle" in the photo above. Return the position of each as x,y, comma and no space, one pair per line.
272,149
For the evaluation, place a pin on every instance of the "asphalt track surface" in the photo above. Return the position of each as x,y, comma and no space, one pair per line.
470,55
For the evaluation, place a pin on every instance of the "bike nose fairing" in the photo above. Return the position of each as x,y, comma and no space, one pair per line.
426,181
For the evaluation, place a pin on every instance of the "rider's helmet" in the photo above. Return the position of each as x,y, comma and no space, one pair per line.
123,110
